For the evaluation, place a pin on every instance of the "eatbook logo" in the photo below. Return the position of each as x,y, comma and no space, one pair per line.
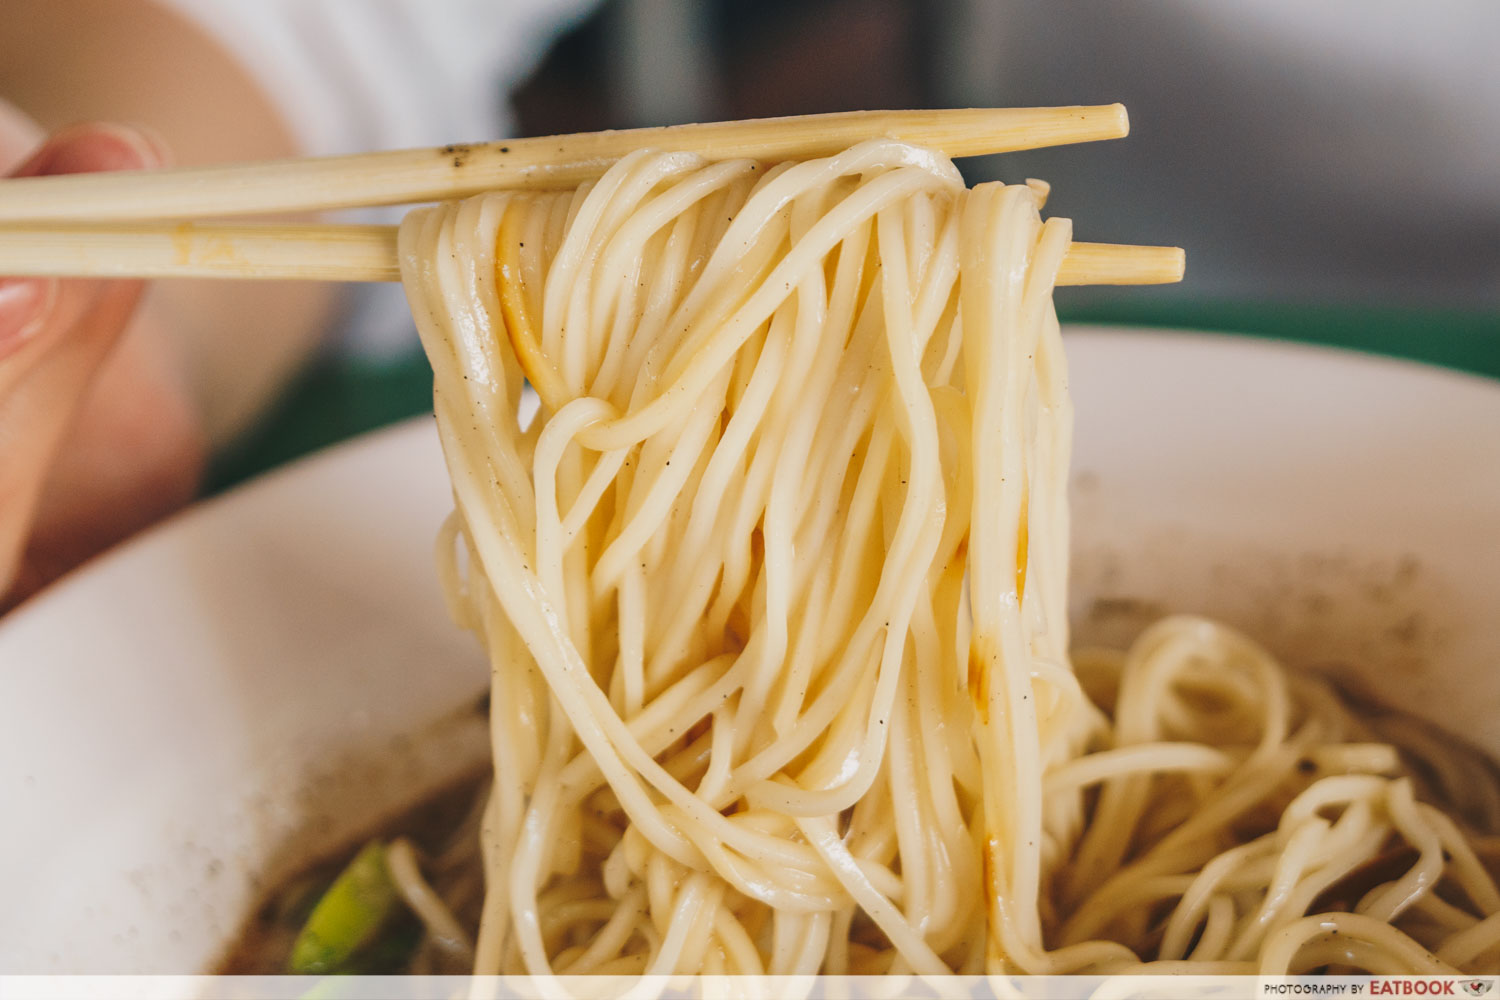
1430,986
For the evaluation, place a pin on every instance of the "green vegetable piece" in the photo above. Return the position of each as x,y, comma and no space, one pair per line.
348,916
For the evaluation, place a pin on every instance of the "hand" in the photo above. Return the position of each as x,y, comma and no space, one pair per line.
97,435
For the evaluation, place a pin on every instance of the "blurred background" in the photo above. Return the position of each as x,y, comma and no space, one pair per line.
1332,168
1314,152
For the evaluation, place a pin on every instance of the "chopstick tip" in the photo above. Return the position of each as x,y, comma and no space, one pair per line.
1095,122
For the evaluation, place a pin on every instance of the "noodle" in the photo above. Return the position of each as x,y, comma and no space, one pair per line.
774,590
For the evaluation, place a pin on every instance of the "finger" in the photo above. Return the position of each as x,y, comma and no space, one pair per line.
30,307
37,410
54,335
135,453
95,147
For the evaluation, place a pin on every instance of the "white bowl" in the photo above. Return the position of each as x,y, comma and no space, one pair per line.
261,679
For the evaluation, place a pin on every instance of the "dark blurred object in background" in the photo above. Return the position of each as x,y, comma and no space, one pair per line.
1346,151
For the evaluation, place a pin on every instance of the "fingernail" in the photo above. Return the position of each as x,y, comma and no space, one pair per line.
24,304
157,150
95,146
145,143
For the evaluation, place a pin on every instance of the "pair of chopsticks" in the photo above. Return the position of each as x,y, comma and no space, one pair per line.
142,224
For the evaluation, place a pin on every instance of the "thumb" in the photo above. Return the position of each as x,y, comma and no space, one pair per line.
54,335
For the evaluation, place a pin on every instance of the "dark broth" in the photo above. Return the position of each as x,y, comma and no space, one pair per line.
263,944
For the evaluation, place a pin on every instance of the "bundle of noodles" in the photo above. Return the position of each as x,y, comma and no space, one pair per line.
774,592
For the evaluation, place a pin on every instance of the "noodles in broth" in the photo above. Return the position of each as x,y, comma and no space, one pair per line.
773,587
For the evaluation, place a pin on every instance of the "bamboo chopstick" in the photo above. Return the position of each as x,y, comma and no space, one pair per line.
200,250
414,175
368,253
